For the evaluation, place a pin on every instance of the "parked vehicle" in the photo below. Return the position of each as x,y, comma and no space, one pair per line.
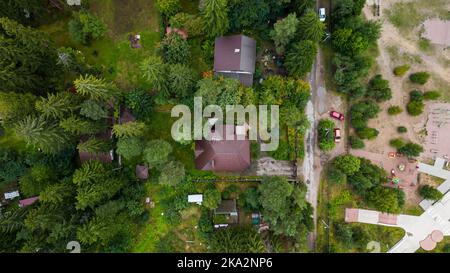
322,14
337,135
337,115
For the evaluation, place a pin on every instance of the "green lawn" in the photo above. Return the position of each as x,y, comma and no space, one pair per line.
113,53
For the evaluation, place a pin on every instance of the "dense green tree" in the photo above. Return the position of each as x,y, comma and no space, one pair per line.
349,42
36,180
378,89
181,80
384,199
428,192
419,77
174,49
397,143
11,165
348,164
129,147
168,7
129,129
85,27
411,149
140,102
155,72
335,175
236,240
156,153
211,198
78,126
355,142
41,134
27,59
367,133
22,11
93,110
361,112
310,27
95,146
95,88
300,58
193,24
284,31
284,207
95,183
344,233
172,173
58,193
326,135
57,105
246,14
220,91
15,106
348,74
215,17
249,199
367,177
107,223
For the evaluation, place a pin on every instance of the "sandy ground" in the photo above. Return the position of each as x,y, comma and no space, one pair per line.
432,62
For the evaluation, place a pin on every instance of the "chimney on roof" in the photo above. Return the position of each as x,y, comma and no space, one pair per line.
237,50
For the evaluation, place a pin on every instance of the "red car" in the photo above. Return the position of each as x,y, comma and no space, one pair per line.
337,115
337,135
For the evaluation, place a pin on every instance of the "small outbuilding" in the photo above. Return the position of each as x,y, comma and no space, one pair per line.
11,195
28,202
142,172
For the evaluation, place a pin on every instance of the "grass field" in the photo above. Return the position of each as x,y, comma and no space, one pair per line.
113,53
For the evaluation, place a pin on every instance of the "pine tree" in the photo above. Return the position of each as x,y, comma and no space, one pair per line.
57,105
215,16
310,27
39,133
79,126
129,129
27,59
94,145
95,89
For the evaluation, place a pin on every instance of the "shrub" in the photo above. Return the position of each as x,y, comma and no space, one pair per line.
431,95
326,136
355,142
415,108
378,89
394,110
419,77
411,149
367,133
168,7
85,27
430,193
402,129
401,70
397,143
348,164
336,176
175,49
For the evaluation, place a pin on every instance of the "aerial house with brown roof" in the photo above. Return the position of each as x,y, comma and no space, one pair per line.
234,57
222,154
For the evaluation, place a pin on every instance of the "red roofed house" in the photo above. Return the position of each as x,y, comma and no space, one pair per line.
221,154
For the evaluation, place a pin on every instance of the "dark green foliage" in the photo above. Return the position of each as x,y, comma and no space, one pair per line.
326,134
15,106
231,192
172,173
168,7
348,74
361,112
11,166
397,143
367,133
367,177
36,180
284,207
415,105
336,176
85,27
402,129
411,149
428,192
300,58
140,102
419,77
348,164
384,199
236,240
310,27
174,49
378,89
27,59
211,198
355,142
249,199
344,233
129,147
181,81
248,14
